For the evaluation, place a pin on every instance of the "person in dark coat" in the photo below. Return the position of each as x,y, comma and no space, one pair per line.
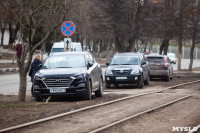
35,66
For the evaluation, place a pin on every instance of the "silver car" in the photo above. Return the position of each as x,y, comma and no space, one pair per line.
160,67
172,57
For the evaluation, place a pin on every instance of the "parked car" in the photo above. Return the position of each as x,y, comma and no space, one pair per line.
127,68
160,66
172,57
68,73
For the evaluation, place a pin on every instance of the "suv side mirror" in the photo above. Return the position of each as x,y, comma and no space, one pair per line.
90,64
40,66
143,63
107,64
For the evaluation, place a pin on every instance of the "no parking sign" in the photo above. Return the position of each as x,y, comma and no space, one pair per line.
68,28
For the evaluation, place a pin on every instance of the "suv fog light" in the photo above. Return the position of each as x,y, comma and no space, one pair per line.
136,78
107,78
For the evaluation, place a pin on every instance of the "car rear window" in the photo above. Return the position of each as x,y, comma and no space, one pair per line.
155,59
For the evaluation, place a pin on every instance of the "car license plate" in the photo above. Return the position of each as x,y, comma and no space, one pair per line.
57,90
121,78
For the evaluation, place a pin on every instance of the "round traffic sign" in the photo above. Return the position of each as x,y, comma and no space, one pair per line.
68,28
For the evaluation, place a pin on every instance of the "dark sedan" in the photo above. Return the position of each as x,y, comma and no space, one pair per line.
68,73
127,68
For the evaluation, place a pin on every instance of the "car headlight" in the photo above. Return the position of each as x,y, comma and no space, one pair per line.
109,72
135,71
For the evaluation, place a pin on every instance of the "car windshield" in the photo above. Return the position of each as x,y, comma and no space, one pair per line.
65,61
125,60
57,50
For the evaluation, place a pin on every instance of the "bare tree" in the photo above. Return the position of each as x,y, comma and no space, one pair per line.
195,28
3,23
121,18
32,15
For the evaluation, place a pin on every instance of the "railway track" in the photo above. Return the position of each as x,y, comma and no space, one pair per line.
104,104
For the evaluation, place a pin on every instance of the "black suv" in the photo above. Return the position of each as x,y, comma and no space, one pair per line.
68,73
127,68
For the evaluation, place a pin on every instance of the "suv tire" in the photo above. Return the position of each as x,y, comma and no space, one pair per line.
99,93
88,91
140,84
38,98
146,82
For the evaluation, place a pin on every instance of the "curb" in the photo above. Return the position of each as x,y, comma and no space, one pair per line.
2,70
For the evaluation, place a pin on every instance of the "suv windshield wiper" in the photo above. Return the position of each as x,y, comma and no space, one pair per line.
126,64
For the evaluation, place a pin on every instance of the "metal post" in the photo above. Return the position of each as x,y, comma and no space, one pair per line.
196,52
183,52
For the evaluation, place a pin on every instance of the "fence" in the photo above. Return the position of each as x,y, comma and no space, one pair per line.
185,51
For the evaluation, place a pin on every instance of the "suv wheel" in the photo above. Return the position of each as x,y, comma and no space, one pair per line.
146,82
107,85
140,84
38,98
88,91
99,93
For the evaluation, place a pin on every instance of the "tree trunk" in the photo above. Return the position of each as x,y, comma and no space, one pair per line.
179,52
191,55
2,35
164,46
13,33
22,85
1,46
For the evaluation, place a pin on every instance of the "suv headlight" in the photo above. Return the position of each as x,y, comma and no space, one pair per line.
37,77
108,71
135,71
82,76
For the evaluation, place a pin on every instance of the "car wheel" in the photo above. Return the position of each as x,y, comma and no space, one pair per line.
107,85
140,83
168,78
146,82
88,91
99,93
38,98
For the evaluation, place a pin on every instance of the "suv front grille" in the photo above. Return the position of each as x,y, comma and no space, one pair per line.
57,82
120,72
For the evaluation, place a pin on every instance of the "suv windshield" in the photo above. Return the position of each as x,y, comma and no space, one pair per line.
125,60
65,61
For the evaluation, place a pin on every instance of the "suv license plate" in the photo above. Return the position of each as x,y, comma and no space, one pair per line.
121,78
57,90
